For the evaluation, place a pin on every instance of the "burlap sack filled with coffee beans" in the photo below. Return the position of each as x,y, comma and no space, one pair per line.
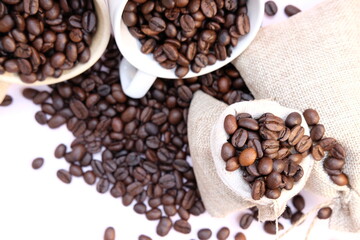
222,191
312,60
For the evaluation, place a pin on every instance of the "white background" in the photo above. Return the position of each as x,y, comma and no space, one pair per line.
35,205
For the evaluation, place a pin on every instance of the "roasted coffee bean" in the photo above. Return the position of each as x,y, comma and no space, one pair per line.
317,152
223,233
144,237
75,170
324,213
246,220
317,132
109,233
64,176
304,144
265,166
153,214
40,117
296,135
258,189
338,151
204,234
271,8
299,202
311,116
270,227
273,193
232,164
293,118
239,138
240,236
37,163
333,163
296,217
287,213
340,179
248,123
243,24
273,180
247,157
182,226
164,226
291,10
296,158
327,143
230,124
227,151
6,101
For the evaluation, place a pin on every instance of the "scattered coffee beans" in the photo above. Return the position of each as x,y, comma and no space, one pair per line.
143,142
271,8
324,213
6,101
109,233
37,163
335,160
187,34
291,10
40,39
268,150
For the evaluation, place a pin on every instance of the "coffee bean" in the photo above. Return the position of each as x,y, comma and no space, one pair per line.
246,220
317,132
304,144
6,24
296,135
248,123
144,237
37,163
247,157
317,152
227,151
327,143
287,213
271,8
6,101
153,214
64,176
340,179
296,217
333,163
338,151
204,234
223,233
230,124
311,116
239,139
299,202
40,117
324,213
291,10
182,226
240,236
270,227
164,226
293,118
265,165
258,189
109,233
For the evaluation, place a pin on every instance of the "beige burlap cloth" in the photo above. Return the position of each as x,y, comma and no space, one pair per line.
222,191
312,60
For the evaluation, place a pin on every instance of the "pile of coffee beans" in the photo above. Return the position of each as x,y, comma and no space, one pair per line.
269,151
335,160
41,38
185,34
6,101
143,142
271,9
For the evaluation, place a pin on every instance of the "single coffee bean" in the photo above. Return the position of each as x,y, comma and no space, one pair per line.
248,123
230,124
317,152
204,234
246,220
243,24
37,163
109,233
270,227
209,8
144,237
182,226
317,132
311,116
64,176
299,202
89,177
327,143
223,233
271,8
296,158
240,236
232,164
258,189
247,157
75,170
296,135
324,213
296,217
291,10
273,193
338,151
333,163
164,226
304,144
293,118
273,180
340,179
153,214
265,166
40,117
287,213
6,101
239,138
227,151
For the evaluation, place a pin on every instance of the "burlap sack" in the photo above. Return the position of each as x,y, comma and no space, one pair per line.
223,192
313,60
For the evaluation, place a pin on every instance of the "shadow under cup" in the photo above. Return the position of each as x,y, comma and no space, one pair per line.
135,62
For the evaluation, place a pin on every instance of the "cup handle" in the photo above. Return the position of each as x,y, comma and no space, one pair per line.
3,90
135,83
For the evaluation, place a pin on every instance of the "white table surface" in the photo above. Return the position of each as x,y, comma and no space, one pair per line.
35,205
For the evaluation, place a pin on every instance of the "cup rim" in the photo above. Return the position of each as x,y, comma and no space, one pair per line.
138,63
100,41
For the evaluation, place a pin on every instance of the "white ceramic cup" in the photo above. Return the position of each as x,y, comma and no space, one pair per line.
138,71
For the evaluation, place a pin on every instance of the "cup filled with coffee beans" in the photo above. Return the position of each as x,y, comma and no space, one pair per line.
179,38
48,41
